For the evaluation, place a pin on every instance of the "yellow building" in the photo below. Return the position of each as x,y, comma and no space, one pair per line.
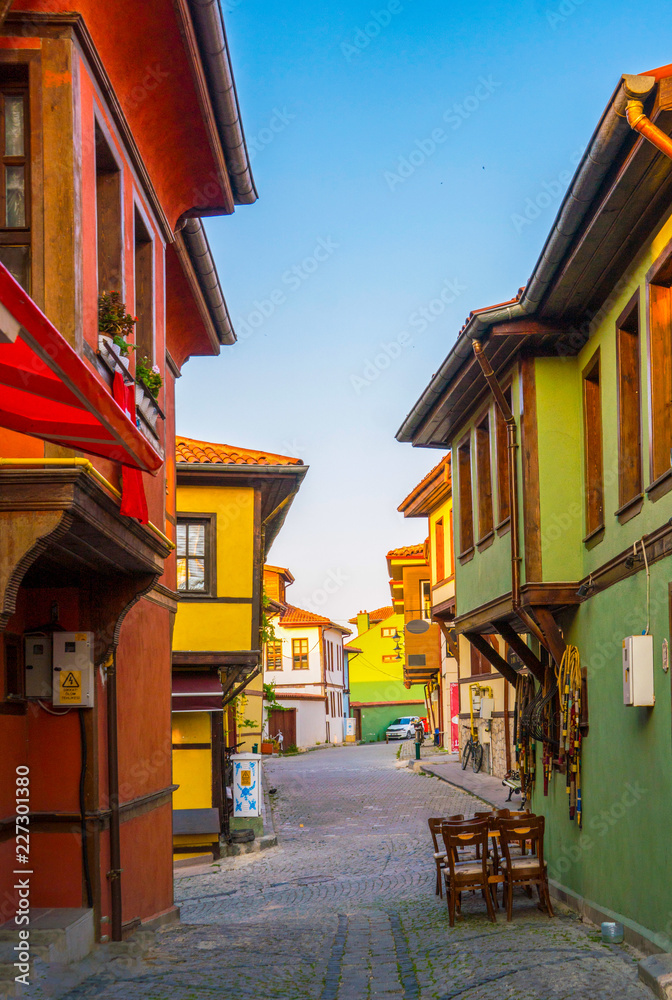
231,503
376,674
432,499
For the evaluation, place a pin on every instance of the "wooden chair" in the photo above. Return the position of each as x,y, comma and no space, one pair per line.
526,869
435,823
462,876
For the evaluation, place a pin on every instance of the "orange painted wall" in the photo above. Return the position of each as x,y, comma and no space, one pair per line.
144,56
147,879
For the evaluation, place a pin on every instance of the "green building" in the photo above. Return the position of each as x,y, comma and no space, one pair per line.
583,355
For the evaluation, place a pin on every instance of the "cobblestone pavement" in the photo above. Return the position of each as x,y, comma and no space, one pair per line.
344,909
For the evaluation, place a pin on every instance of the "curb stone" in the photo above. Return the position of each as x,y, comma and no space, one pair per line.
656,972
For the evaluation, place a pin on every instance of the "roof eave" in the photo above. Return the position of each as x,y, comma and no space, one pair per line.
607,139
214,50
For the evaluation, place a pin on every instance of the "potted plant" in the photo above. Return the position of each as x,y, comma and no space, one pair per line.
115,325
148,384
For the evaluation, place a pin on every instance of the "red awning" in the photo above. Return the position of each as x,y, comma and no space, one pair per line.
47,391
197,692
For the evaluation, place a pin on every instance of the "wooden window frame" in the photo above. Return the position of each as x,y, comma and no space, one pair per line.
425,599
440,548
659,370
593,447
298,656
276,645
502,461
143,276
109,180
387,633
15,80
486,517
628,361
210,569
466,499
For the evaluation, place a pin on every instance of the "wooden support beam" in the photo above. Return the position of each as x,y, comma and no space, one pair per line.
493,657
522,650
527,328
450,636
556,643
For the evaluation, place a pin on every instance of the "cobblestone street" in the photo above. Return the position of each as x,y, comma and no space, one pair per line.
344,908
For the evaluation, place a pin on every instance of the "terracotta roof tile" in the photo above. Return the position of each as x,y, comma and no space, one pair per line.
206,453
379,615
407,551
291,615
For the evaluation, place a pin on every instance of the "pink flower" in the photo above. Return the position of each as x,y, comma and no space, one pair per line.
156,369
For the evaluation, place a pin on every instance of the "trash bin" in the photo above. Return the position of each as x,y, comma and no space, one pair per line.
246,784
255,748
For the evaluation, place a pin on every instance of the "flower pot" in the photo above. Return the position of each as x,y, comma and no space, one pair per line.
146,405
107,345
266,747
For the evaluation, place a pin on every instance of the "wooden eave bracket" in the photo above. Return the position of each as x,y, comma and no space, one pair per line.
522,650
480,643
555,642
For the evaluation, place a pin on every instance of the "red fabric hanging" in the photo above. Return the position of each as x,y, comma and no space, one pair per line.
133,499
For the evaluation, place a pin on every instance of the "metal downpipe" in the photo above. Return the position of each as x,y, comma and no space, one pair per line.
512,449
636,89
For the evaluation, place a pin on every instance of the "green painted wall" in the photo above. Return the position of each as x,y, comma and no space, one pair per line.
620,859
559,429
374,679
488,574
375,720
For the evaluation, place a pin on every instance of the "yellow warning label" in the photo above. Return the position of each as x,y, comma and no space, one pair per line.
80,636
71,687
246,778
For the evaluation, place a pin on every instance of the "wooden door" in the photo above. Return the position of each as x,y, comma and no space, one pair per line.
357,716
285,723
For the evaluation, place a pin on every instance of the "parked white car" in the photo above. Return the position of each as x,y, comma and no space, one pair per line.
402,729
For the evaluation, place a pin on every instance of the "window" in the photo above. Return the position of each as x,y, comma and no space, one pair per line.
108,216
484,475
299,654
660,371
479,664
426,599
592,425
144,290
503,460
466,506
195,567
274,655
629,412
390,659
15,188
387,633
440,548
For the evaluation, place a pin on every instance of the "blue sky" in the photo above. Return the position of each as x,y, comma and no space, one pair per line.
410,157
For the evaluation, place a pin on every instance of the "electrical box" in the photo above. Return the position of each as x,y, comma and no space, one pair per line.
73,674
487,707
37,658
638,670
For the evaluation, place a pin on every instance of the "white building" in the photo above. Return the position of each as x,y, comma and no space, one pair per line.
305,663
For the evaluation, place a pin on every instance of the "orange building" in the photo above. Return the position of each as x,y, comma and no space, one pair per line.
96,100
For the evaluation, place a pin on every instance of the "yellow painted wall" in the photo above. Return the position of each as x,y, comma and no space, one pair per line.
371,679
251,707
192,769
213,625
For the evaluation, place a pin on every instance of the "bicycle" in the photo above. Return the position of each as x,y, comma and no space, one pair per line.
472,748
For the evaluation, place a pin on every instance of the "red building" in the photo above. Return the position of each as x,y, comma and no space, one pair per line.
120,130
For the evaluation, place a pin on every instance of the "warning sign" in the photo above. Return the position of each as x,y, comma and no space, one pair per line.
71,687
246,778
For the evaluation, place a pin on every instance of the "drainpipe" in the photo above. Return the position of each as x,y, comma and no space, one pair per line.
512,448
114,874
636,89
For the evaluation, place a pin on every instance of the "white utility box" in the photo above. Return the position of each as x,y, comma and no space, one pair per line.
638,670
37,658
487,708
246,784
73,675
